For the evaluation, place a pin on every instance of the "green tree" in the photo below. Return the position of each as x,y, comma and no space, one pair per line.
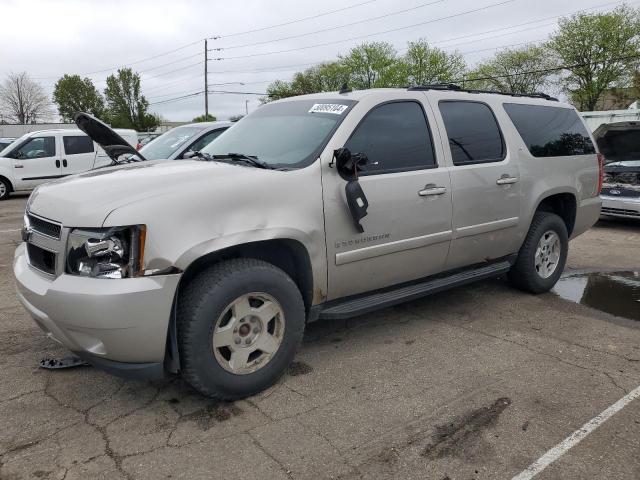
424,65
600,50
203,118
74,94
373,65
325,77
521,70
126,106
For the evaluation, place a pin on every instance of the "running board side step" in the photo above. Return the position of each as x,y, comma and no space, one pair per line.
351,307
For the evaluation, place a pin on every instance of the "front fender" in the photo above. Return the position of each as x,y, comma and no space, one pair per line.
249,236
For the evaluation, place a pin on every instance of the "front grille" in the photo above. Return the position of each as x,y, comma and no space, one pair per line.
621,192
44,227
621,211
41,259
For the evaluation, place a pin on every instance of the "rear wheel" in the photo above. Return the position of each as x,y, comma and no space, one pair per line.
5,189
239,326
543,255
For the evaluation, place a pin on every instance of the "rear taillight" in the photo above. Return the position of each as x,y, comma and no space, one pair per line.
600,172
138,146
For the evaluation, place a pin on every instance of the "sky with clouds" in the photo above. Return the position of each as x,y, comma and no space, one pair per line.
252,42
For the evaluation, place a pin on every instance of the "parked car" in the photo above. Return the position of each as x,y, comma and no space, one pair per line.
323,206
5,142
620,144
178,141
42,156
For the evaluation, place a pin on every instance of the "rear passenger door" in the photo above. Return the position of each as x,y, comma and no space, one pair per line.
485,183
407,228
78,153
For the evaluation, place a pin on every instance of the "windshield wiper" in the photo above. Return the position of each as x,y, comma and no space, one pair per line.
241,157
202,155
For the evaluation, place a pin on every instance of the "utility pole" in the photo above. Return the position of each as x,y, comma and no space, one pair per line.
206,84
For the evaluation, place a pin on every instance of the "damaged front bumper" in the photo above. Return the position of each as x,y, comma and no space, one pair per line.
116,325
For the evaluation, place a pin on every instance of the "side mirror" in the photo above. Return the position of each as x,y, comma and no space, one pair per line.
189,154
348,166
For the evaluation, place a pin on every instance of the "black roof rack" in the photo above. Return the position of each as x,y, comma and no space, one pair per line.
458,88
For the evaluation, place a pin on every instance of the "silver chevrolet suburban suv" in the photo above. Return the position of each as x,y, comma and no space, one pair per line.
323,206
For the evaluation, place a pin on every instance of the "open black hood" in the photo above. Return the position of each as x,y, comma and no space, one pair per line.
101,133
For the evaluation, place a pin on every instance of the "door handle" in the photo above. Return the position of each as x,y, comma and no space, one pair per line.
506,180
57,163
64,162
18,166
432,189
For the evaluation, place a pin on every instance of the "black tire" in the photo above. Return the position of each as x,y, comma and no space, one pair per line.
5,189
205,299
524,274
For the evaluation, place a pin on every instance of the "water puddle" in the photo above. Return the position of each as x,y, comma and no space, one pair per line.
617,293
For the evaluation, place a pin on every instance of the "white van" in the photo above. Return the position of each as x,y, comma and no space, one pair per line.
40,156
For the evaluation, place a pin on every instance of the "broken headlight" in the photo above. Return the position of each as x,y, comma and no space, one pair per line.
116,252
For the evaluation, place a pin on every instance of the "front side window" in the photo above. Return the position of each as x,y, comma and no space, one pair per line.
395,137
205,140
168,143
550,131
289,134
36,147
474,135
74,145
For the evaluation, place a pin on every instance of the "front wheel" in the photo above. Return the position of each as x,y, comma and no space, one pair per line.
543,255
240,323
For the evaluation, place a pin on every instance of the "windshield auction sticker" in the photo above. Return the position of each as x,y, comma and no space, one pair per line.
334,108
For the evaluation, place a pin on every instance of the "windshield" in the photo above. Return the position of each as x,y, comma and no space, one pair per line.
167,143
287,134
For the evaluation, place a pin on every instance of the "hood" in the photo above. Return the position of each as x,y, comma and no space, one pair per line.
85,200
618,141
112,143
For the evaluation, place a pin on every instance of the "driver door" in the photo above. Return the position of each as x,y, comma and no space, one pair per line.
36,161
407,229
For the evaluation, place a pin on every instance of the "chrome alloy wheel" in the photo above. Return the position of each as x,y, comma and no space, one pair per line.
547,254
248,333
3,189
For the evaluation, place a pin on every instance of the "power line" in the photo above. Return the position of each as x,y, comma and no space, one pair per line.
212,92
187,45
437,42
371,19
170,100
261,29
111,69
371,34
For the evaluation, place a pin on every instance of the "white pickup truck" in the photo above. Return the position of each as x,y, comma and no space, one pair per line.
41,156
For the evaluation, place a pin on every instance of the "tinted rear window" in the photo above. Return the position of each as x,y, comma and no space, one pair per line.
550,131
474,135
77,144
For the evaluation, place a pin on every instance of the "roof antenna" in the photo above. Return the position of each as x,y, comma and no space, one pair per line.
344,89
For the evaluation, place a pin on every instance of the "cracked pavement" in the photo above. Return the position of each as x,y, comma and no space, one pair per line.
474,383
